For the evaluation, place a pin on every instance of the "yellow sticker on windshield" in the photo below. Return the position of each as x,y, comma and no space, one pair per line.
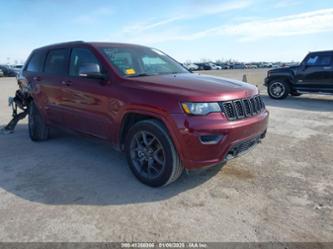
130,71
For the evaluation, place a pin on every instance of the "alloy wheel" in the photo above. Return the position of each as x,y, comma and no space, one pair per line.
147,154
277,89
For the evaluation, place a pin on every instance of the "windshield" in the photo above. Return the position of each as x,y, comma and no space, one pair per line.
141,61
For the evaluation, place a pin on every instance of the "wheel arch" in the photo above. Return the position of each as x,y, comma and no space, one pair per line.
132,117
286,78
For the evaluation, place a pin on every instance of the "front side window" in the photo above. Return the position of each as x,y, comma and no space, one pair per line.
56,62
319,60
141,61
81,57
36,62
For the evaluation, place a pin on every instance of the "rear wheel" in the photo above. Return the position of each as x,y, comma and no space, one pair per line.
151,154
38,130
278,89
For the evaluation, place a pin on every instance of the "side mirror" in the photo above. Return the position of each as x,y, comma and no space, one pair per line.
92,71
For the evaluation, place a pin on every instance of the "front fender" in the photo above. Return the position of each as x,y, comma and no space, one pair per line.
281,76
154,112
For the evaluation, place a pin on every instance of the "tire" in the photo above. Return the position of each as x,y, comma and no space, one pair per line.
278,89
38,130
156,164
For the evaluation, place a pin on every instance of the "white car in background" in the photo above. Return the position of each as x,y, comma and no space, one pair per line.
191,66
214,66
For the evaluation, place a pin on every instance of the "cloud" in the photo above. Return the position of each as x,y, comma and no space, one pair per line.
300,24
197,11
286,3
93,16
143,26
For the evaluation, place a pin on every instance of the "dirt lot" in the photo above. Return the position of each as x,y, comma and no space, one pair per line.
77,189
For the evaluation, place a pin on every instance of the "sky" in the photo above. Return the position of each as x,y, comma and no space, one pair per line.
187,30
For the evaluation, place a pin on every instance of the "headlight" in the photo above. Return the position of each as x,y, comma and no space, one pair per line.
200,108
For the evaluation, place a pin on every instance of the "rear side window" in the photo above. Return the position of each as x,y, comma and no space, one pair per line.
56,62
36,62
319,60
81,57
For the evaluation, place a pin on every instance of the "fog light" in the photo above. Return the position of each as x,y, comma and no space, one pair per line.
211,139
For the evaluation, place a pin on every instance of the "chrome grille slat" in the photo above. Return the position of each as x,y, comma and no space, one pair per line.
242,108
256,99
253,105
239,109
247,106
229,110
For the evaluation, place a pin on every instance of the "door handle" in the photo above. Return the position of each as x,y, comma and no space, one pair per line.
66,82
37,78
327,68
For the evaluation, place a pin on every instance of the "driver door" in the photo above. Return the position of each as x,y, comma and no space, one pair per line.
87,98
315,72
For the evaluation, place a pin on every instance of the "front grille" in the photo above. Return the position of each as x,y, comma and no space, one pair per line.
242,108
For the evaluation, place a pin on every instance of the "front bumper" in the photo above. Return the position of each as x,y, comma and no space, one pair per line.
236,137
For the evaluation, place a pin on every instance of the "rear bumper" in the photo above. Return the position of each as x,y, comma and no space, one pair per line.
235,137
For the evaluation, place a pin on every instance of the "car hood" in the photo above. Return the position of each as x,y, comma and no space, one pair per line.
283,69
197,87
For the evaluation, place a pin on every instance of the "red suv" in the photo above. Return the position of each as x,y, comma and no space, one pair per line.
145,103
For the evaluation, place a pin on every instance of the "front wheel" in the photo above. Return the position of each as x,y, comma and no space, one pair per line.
278,89
38,130
151,154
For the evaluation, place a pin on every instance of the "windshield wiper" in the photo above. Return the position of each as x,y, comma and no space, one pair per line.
165,73
141,75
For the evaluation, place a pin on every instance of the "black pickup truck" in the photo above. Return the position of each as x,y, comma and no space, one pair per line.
313,75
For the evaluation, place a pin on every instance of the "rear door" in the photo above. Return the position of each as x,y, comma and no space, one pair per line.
54,73
315,73
86,100
33,75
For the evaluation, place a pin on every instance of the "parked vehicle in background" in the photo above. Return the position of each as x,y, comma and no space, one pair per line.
265,65
223,65
1,73
214,66
191,66
238,66
7,71
251,66
145,103
203,66
16,68
313,75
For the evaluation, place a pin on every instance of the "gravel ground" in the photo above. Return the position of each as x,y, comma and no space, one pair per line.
78,189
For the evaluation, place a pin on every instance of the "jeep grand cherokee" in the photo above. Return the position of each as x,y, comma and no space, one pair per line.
146,104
